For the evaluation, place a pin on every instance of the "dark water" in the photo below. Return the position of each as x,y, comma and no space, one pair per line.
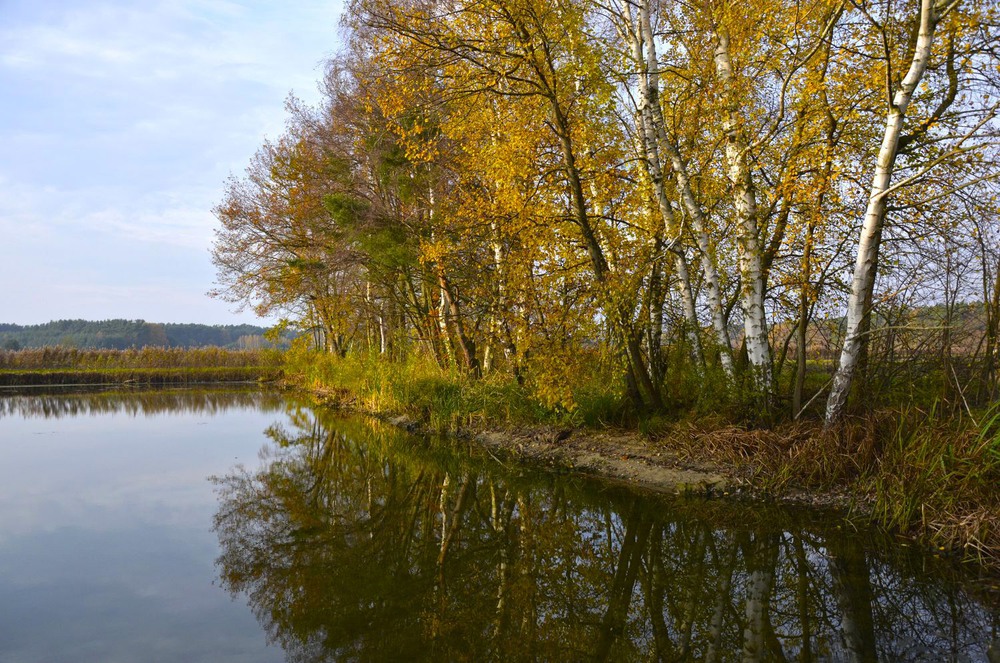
347,540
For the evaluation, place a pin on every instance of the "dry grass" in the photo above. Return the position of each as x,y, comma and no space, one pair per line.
935,479
59,358
150,365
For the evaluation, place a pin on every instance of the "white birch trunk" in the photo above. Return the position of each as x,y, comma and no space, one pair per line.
643,50
713,287
383,341
748,243
713,290
859,302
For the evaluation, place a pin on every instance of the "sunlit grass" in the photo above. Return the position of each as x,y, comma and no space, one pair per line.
151,365
448,399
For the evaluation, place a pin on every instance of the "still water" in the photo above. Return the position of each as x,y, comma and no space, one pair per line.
238,526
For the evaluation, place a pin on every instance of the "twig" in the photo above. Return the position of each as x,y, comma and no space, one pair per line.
962,394
815,396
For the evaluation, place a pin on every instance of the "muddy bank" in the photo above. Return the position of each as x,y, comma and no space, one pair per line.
616,456
663,464
626,457
851,471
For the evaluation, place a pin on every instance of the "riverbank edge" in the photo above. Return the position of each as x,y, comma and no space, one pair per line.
717,462
661,464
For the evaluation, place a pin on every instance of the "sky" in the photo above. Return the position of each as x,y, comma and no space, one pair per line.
119,124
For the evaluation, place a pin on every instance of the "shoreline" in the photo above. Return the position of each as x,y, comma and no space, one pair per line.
621,456
717,462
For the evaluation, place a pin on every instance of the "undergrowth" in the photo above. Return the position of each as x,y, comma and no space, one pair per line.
57,366
60,358
916,472
446,400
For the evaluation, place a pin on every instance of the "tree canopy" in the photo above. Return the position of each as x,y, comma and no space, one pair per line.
677,190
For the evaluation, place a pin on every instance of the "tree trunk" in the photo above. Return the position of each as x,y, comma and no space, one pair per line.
643,50
699,225
621,320
655,138
465,343
862,284
748,241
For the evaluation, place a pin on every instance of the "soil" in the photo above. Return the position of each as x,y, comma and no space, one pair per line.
663,465
618,456
630,458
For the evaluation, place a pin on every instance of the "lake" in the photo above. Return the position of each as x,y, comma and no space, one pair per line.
233,525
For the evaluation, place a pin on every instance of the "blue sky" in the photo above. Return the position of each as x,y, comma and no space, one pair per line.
119,123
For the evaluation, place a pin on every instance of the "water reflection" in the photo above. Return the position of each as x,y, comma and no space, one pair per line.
355,541
106,552
66,403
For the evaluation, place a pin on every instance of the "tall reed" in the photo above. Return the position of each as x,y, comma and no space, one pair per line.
61,358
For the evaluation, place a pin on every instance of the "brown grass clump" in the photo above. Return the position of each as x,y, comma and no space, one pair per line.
932,478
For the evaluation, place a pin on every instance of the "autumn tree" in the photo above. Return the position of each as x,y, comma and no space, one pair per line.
917,133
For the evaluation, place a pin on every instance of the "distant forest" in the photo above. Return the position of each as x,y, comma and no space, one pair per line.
120,334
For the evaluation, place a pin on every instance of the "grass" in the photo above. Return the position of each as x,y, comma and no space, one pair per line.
942,479
63,366
446,400
916,472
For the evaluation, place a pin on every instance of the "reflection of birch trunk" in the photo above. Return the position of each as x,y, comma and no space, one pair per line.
852,587
763,560
450,523
805,609
691,602
528,563
722,602
653,588
500,521
634,543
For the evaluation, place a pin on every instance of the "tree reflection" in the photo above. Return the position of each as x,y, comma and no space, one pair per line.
355,541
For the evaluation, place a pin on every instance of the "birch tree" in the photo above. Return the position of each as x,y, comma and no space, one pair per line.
859,303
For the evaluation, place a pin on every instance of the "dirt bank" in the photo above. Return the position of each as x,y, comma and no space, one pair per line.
662,465
618,456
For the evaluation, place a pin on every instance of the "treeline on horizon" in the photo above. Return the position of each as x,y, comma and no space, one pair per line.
122,334
756,199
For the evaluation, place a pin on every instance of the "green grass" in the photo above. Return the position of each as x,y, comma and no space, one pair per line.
448,400
918,472
940,478
923,471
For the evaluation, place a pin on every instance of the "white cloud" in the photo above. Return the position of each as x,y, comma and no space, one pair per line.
127,41
120,124
177,226
19,209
